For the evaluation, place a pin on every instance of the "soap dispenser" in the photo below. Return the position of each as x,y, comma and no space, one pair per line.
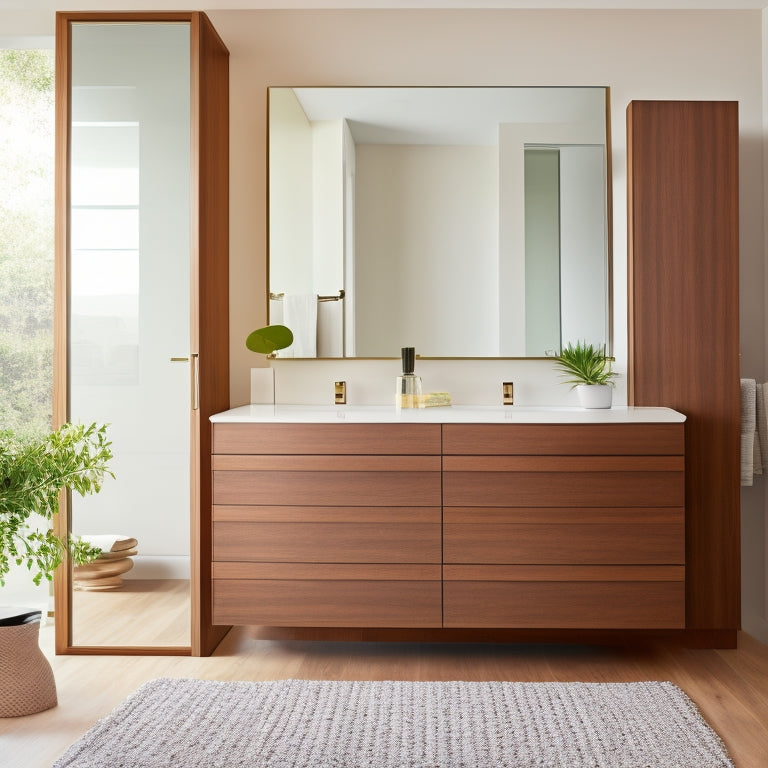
408,385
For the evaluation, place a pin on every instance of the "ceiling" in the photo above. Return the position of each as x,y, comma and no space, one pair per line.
208,5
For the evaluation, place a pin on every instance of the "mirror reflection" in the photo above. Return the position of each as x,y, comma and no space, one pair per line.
465,222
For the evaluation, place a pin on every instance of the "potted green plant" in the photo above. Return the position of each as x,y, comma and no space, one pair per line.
266,341
270,339
33,472
588,369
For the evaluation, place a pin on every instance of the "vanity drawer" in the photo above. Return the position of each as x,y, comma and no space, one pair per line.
421,489
565,597
577,536
296,595
340,439
324,542
563,489
563,439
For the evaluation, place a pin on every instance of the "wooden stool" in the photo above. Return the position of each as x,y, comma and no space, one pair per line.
105,572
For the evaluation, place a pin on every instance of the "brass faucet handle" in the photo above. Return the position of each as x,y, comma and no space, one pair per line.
508,393
340,392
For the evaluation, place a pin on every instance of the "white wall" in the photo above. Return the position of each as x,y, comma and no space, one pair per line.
426,225
328,206
290,194
583,275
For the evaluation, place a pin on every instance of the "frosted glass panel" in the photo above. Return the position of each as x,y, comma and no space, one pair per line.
129,315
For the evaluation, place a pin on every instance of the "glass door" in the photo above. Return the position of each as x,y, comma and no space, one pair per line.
129,326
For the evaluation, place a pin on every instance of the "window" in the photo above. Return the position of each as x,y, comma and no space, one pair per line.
26,239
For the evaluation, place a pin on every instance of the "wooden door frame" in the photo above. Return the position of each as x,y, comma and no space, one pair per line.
209,316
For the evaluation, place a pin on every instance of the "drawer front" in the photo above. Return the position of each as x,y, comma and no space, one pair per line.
526,543
412,439
563,439
327,488
575,604
327,542
337,603
564,489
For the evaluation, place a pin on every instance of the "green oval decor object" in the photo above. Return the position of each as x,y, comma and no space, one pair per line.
267,340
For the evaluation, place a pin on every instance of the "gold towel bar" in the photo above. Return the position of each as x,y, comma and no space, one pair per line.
280,296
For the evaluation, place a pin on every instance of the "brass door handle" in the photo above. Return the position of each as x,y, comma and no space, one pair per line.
194,377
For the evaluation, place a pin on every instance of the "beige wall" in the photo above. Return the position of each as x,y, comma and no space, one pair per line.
638,54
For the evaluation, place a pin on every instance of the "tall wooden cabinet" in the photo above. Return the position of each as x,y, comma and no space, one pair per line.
142,322
683,225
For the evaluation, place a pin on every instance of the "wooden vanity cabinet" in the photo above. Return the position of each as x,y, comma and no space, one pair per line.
452,526
552,526
327,525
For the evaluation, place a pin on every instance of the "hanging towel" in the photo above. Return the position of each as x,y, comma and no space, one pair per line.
761,415
757,462
300,315
748,424
330,329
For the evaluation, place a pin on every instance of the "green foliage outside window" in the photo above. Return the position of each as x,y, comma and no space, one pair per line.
26,240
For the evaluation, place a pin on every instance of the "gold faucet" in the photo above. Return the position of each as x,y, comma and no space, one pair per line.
508,393
340,392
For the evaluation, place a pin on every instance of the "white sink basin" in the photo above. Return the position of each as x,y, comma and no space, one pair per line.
454,414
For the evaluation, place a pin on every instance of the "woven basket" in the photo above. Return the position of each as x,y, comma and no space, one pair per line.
27,684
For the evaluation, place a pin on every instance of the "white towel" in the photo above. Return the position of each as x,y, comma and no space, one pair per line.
300,315
114,542
330,329
748,423
760,431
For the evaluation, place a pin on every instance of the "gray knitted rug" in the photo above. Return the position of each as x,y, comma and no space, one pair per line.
328,724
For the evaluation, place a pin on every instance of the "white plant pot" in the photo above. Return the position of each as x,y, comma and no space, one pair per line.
595,395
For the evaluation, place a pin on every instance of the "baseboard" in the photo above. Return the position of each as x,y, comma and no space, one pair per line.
159,567
689,638
757,627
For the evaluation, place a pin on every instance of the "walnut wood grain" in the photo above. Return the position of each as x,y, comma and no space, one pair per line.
421,489
328,542
329,571
314,603
305,514
684,322
209,289
567,489
209,277
541,605
303,463
564,515
563,439
344,438
575,543
563,573
563,464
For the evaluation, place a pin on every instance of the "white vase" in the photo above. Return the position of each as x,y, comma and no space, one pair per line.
595,395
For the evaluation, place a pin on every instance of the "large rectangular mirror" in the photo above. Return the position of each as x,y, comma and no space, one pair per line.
465,222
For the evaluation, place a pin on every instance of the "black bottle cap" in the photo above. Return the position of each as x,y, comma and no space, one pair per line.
409,359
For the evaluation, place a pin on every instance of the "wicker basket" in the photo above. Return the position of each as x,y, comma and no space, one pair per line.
27,684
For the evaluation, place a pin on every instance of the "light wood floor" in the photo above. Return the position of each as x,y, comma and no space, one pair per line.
142,612
729,686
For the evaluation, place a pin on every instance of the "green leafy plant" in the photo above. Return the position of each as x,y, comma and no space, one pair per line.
584,363
269,339
32,473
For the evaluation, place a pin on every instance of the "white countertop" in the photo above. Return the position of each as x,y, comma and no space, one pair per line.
453,414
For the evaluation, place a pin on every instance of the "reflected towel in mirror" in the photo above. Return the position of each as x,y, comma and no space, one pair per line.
300,315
